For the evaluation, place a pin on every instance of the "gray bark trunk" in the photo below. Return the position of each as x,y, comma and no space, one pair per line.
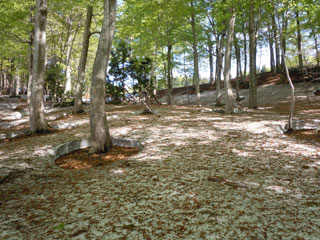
253,53
1,77
82,64
271,43
36,107
227,66
210,46
244,75
195,58
100,136
239,72
299,41
220,47
290,120
30,59
169,79
277,44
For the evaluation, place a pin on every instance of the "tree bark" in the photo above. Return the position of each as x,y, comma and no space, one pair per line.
299,41
169,79
219,50
239,72
253,53
100,136
290,120
227,66
244,75
271,43
195,57
210,48
38,122
277,44
83,60
67,87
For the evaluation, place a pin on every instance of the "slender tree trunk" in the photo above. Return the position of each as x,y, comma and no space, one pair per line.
16,82
83,60
299,41
195,57
283,41
67,87
219,67
30,62
290,120
1,77
30,58
36,107
100,136
227,65
239,72
316,47
277,44
210,46
271,43
169,79
244,75
253,55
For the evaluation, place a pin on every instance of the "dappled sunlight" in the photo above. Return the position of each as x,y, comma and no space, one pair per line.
277,189
118,171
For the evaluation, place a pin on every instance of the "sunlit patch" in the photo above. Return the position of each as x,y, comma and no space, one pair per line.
277,189
242,153
118,171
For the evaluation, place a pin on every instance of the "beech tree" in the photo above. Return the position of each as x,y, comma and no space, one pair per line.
83,60
38,122
100,136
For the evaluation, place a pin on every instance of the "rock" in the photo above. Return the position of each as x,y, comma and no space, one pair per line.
10,116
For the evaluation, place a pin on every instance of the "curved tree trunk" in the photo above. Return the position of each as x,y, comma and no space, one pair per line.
83,60
100,136
227,65
36,107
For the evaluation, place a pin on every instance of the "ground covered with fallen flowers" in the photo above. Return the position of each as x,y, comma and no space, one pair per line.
201,175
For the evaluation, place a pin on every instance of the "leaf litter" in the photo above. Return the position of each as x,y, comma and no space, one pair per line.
208,179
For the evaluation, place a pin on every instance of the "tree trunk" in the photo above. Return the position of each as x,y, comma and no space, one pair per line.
316,47
36,107
253,53
169,79
67,87
83,60
195,57
100,136
244,75
271,43
277,44
299,41
227,65
239,72
219,49
16,82
1,77
290,120
283,42
30,59
210,46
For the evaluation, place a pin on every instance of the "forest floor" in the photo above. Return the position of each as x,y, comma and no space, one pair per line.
201,175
